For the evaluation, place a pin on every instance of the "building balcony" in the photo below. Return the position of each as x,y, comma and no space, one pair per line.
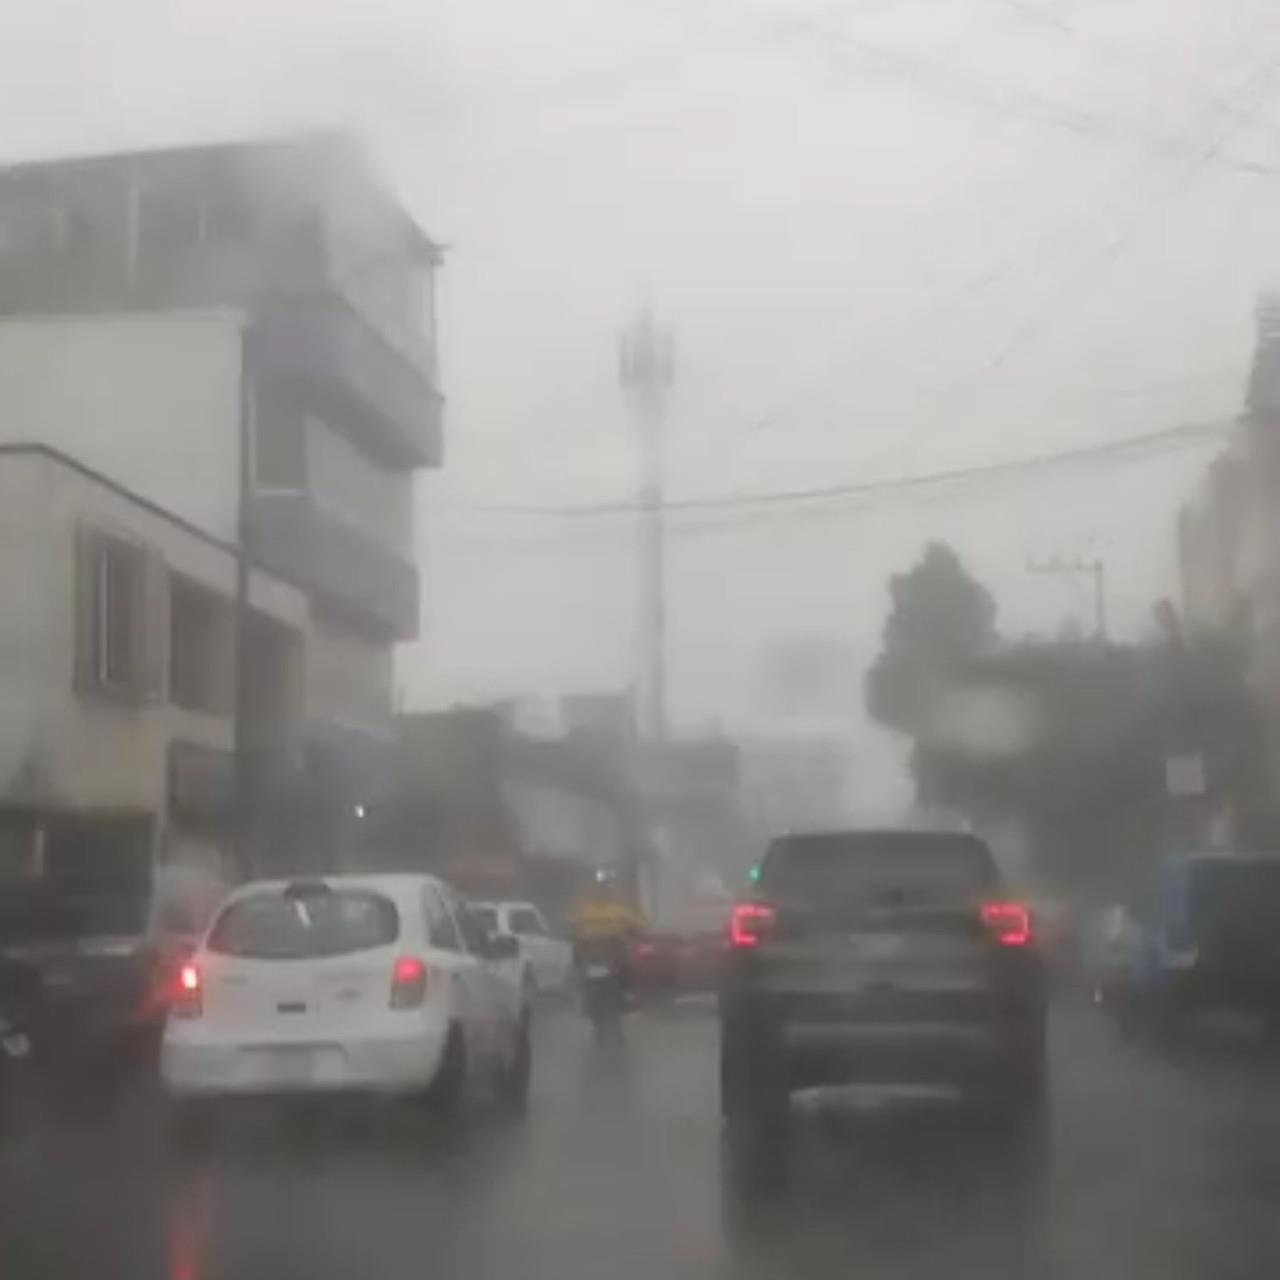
329,355
294,536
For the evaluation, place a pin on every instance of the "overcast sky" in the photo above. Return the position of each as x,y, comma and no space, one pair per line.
890,236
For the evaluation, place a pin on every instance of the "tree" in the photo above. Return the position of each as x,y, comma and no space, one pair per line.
941,619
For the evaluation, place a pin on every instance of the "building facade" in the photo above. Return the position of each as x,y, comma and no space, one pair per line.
205,353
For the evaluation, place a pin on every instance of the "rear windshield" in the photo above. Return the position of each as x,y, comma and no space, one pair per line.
283,925
525,920
878,869
1226,892
487,917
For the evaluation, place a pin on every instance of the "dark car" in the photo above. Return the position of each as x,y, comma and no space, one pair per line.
879,957
104,957
1208,938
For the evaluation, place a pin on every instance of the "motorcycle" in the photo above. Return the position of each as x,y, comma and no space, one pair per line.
603,981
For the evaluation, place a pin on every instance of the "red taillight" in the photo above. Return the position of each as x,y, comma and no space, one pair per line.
1009,923
188,1001
408,982
750,924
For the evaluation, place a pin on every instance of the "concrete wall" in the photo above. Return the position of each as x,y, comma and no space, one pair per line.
348,677
368,497
149,401
55,745
564,822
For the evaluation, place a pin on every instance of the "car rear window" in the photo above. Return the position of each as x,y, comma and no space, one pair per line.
910,868
284,924
524,920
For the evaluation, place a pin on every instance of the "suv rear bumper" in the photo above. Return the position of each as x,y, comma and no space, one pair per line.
810,1053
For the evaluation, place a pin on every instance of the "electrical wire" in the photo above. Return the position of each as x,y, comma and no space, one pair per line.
746,502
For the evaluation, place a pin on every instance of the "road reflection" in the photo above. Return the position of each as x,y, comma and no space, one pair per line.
917,1179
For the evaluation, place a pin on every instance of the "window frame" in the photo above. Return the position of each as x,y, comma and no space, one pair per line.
119,674
436,908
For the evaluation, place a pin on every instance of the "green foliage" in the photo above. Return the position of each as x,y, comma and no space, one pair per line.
940,620
1084,776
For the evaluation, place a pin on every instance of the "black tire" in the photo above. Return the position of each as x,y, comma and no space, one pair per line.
516,1078
1017,1096
755,1103
446,1092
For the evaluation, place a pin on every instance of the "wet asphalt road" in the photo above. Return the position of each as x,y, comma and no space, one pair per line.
1155,1166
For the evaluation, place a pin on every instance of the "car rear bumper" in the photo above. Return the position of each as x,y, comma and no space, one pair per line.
813,1044
822,1054
402,1064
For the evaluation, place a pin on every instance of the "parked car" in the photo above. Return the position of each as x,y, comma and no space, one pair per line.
550,958
1205,936
348,985
885,957
103,953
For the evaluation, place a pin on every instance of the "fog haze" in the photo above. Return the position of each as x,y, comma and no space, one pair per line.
889,238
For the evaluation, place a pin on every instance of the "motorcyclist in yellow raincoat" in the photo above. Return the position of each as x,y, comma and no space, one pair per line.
603,924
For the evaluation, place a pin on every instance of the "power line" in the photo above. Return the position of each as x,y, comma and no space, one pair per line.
1014,102
1148,441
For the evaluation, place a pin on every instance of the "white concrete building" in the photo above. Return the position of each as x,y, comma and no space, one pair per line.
157,311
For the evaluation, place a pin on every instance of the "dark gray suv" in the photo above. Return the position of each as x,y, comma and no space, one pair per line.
880,957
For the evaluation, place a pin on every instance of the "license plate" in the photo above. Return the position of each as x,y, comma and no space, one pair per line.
598,971
880,946
284,1066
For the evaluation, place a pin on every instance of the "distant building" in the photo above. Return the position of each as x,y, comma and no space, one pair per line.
501,811
150,304
1229,536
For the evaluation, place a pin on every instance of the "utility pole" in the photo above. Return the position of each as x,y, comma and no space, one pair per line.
245,799
1095,569
646,368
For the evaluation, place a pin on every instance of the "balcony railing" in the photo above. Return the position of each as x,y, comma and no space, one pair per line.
329,354
300,540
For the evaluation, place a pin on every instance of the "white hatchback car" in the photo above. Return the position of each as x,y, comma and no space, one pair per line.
379,984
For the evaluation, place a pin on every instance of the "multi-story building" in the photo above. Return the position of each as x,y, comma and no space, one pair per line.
203,353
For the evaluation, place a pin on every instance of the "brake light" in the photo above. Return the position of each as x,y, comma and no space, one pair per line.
408,982
750,924
1009,923
188,1000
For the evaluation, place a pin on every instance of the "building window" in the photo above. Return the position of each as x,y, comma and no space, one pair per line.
200,640
227,221
169,222
117,588
121,618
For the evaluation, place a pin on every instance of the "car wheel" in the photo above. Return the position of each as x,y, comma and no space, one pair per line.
755,1103
518,1073
1017,1095
447,1090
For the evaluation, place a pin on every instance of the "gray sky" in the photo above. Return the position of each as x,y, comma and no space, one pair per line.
891,236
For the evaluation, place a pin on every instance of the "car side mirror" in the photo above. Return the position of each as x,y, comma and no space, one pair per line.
502,946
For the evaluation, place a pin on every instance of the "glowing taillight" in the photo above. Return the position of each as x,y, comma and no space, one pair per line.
408,983
188,1000
750,924
1009,923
